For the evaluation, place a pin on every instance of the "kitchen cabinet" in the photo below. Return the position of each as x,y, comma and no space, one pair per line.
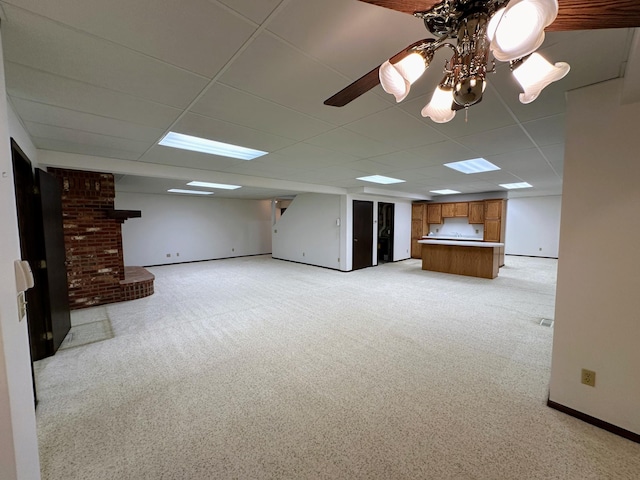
448,210
495,216
434,213
461,209
476,212
418,217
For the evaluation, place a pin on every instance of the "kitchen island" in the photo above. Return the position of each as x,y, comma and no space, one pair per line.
472,258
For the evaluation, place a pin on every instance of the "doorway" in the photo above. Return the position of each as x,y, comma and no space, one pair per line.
362,234
385,232
39,211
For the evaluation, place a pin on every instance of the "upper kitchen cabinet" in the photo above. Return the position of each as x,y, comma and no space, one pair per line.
434,213
461,209
448,210
476,212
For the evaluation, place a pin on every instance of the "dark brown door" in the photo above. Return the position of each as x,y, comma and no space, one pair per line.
362,234
30,228
53,272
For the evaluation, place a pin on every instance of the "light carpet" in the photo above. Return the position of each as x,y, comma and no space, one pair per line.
254,368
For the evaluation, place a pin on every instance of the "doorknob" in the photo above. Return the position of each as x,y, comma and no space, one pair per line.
355,239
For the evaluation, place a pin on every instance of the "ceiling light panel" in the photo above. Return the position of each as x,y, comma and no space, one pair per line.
445,191
222,186
204,145
190,192
380,179
512,186
475,165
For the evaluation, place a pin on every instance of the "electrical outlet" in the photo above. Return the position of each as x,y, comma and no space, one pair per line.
540,249
437,230
168,255
303,254
477,230
588,377
233,249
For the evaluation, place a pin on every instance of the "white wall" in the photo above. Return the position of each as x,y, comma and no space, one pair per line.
18,441
533,226
597,324
308,232
402,231
195,228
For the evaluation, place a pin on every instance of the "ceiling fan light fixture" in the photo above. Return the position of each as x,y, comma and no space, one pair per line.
439,108
397,78
535,73
518,29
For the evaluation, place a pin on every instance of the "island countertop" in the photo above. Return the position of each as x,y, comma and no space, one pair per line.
461,243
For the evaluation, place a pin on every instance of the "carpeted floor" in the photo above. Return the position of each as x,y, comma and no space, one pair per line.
253,368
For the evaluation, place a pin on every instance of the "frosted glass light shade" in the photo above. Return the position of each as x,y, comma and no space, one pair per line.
518,29
439,108
535,73
397,78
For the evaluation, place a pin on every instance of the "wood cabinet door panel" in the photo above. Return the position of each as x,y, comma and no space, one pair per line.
493,209
491,230
461,209
476,212
434,213
448,210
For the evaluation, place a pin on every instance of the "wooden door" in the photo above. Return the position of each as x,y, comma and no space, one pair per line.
53,272
29,228
362,234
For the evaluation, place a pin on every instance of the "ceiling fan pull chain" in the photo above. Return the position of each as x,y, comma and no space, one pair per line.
466,114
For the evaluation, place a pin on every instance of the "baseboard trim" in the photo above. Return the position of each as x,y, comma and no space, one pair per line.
206,260
634,437
529,256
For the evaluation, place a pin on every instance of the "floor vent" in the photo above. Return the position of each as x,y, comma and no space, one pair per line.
546,322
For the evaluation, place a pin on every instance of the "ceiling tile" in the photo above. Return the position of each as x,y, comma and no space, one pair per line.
62,117
360,38
345,141
546,131
256,11
84,138
206,127
304,155
92,150
225,103
184,158
198,35
49,46
395,127
497,141
272,69
27,83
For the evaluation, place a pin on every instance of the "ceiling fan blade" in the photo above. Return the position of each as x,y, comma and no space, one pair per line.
369,80
592,14
406,6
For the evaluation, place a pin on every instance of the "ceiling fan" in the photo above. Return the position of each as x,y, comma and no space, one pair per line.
484,31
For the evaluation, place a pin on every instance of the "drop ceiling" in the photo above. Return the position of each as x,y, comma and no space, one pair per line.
101,82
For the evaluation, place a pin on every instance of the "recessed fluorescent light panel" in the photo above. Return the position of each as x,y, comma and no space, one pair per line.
222,186
191,192
475,165
511,186
380,179
446,191
203,145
